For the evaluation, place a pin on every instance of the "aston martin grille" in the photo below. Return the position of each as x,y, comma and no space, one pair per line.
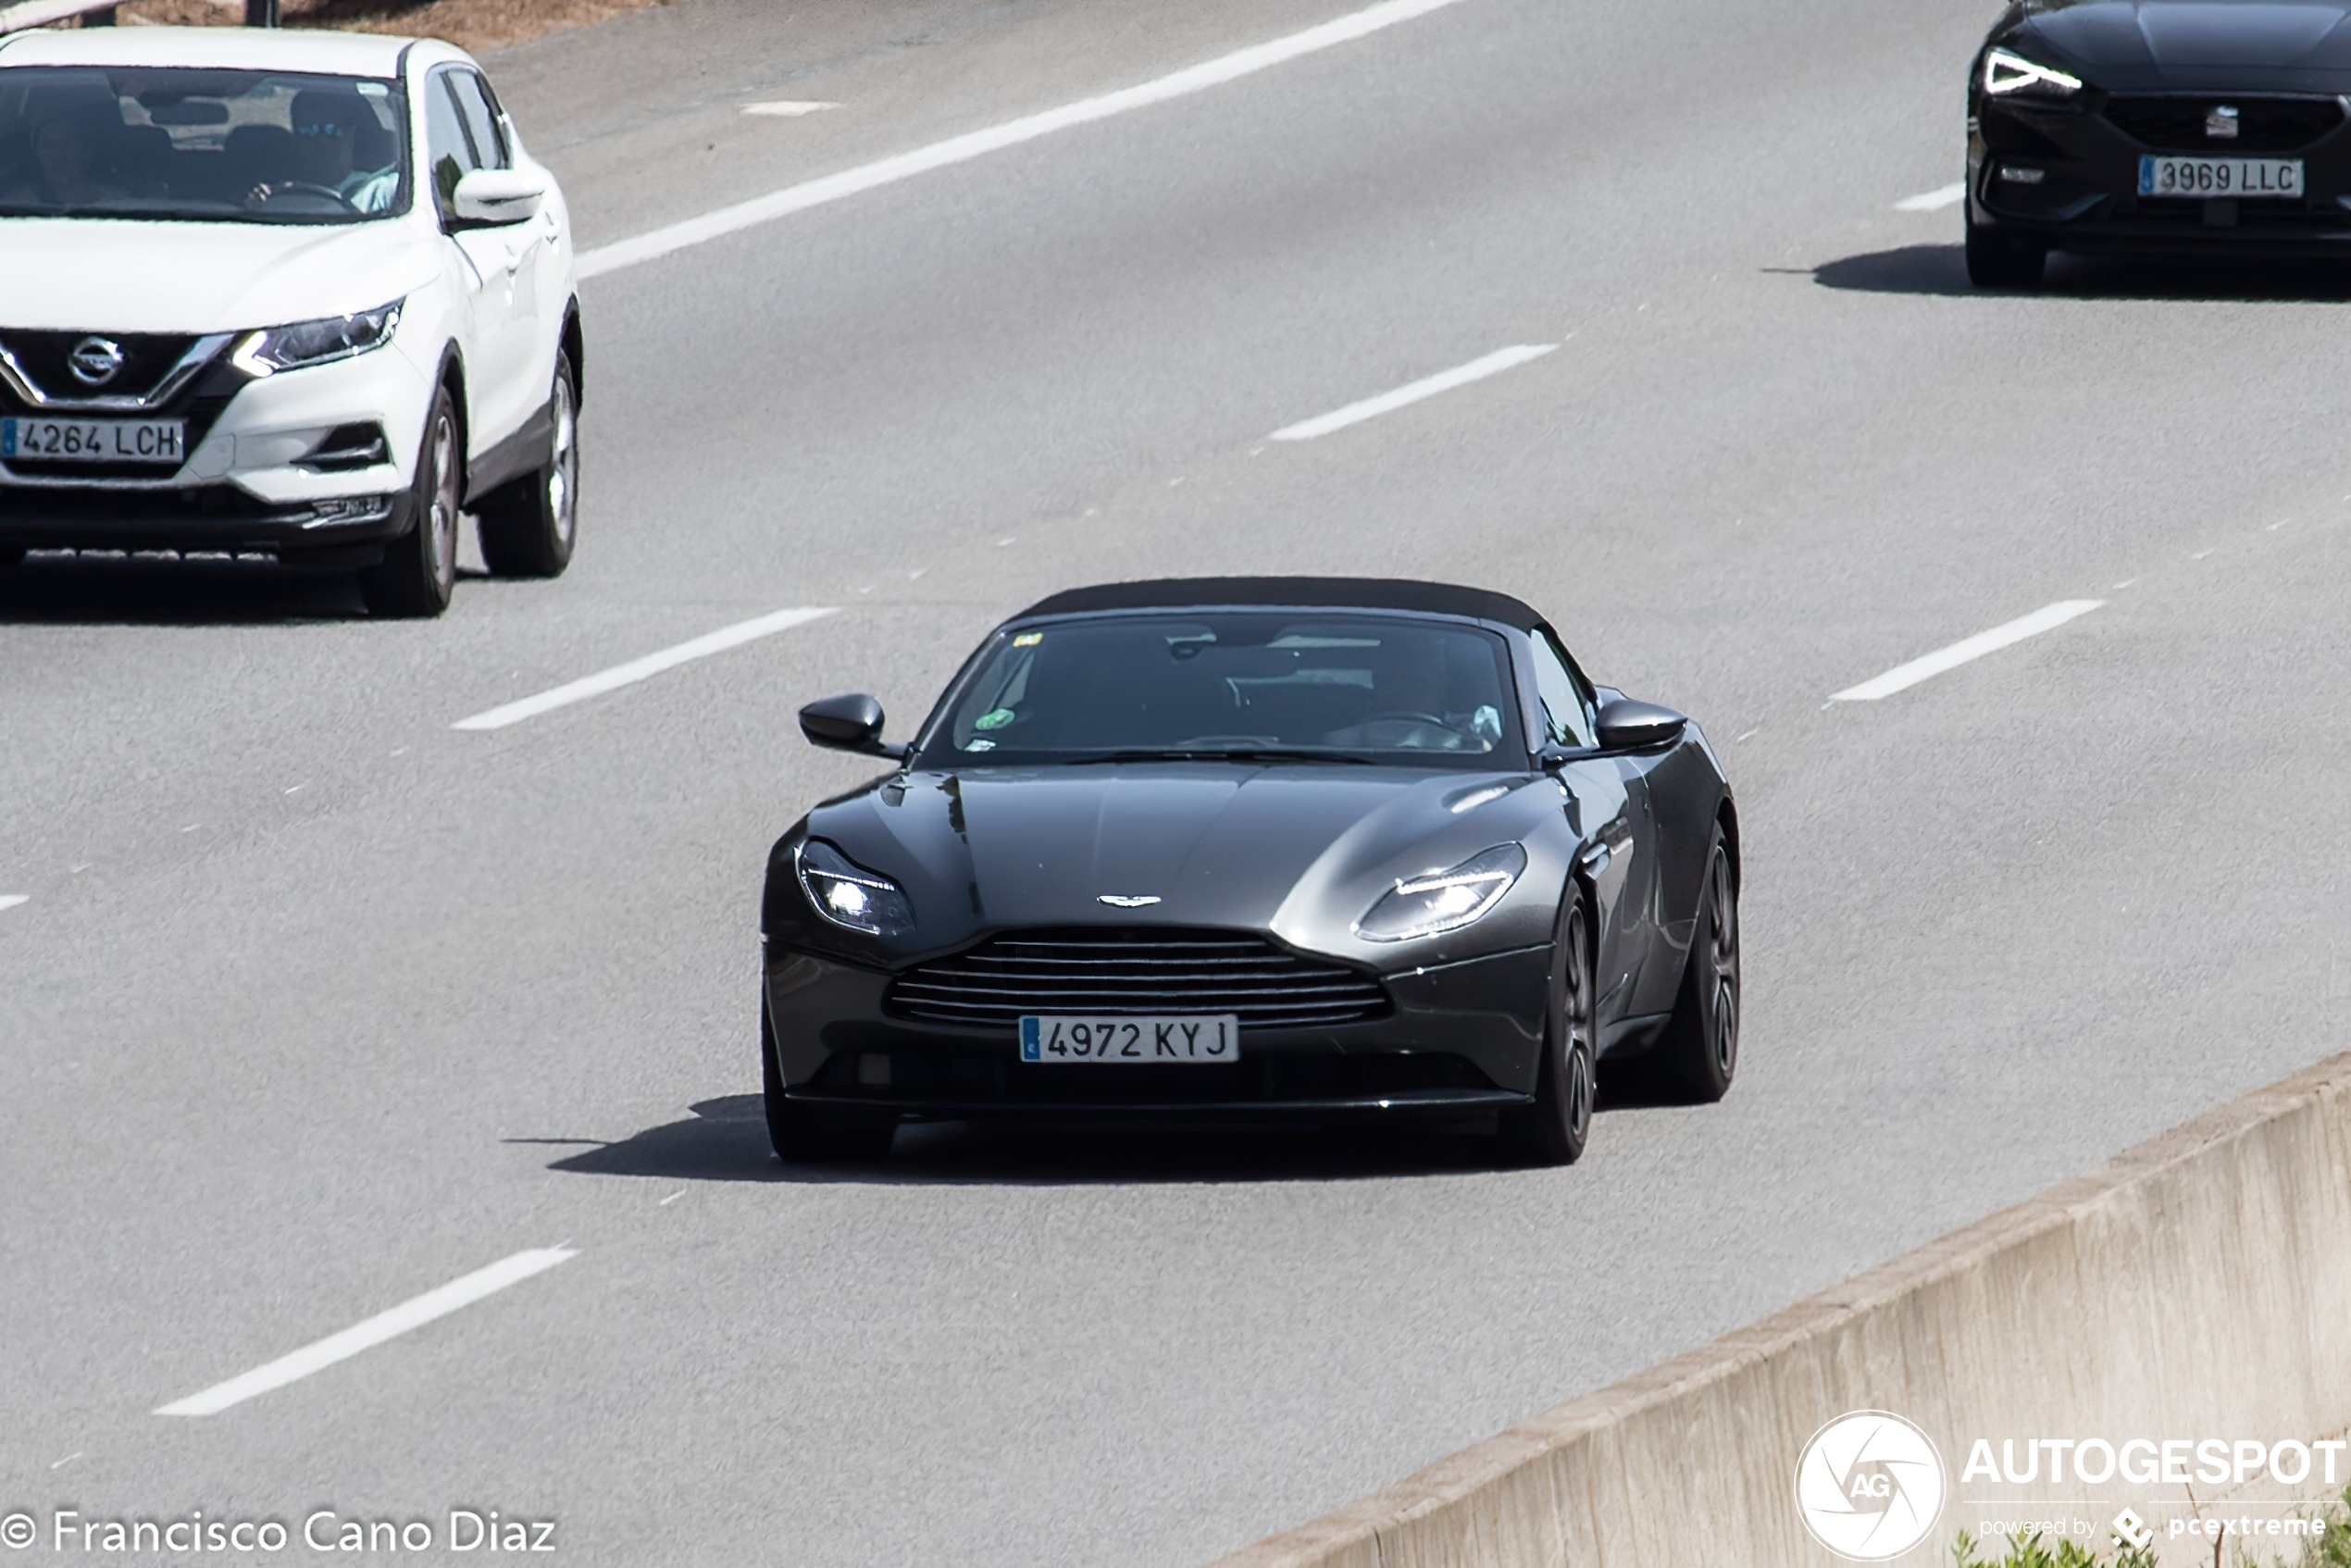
1144,970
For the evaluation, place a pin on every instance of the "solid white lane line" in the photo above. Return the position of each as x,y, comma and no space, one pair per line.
979,143
1903,676
1387,402
10,901
639,669
408,1314
788,108
1935,201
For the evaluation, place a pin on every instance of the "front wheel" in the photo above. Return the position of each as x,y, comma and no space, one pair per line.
810,1133
1701,1044
2004,261
528,527
1552,1131
420,568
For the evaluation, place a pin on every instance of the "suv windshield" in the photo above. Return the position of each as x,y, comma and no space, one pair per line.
1272,685
245,146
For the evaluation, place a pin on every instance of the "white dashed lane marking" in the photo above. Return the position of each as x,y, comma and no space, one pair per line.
636,670
1903,676
414,1312
1414,392
1935,201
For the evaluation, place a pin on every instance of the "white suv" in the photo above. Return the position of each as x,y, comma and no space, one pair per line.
301,294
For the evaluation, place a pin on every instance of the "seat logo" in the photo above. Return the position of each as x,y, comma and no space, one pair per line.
95,361
2221,125
1127,901
1870,1485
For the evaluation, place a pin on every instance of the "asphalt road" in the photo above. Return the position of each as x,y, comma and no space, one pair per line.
316,1004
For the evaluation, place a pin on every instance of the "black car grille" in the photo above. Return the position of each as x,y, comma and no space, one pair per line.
42,358
1147,970
2264,124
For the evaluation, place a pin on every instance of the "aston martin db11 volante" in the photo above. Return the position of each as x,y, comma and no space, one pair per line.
1253,849
2100,126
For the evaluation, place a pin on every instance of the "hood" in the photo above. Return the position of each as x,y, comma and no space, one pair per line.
110,275
1300,849
2196,46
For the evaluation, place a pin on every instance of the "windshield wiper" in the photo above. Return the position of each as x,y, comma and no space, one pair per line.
1251,754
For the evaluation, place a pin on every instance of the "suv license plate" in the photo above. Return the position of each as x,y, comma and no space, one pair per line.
1164,1038
2206,178
47,440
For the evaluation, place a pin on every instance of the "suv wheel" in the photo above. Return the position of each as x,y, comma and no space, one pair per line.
420,568
528,527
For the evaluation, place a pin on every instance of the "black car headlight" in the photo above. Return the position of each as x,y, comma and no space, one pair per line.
847,895
273,349
1443,901
2008,75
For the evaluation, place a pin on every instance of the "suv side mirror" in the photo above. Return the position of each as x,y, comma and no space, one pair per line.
852,722
1628,726
487,198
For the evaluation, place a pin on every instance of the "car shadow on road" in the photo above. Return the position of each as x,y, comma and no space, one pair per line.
725,1140
1941,271
59,590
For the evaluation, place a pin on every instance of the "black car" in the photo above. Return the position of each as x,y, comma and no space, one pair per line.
1253,849
2186,126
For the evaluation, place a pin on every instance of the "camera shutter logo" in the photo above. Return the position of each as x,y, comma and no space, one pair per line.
1870,1485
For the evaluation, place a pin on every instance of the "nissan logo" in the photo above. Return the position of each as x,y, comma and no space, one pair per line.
95,361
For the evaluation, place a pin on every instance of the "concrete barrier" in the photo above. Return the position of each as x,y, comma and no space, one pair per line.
2198,1285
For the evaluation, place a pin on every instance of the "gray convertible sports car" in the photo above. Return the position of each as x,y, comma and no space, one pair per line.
1253,849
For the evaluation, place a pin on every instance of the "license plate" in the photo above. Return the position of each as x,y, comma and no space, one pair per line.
2206,178
93,441
1191,1037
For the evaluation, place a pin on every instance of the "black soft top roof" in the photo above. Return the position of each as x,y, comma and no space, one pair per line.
1334,593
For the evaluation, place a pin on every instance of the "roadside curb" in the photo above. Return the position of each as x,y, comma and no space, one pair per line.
2195,1283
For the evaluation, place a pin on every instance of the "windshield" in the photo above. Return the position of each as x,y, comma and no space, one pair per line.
246,146
1271,685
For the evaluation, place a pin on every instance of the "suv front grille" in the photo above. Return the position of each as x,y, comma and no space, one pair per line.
1141,970
2264,124
43,359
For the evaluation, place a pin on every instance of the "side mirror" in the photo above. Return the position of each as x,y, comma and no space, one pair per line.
1628,726
847,724
489,197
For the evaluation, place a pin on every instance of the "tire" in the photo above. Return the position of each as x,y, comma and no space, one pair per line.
528,527
1553,1130
420,568
1699,1050
2003,261
809,1134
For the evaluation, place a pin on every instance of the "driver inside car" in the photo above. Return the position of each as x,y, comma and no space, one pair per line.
328,129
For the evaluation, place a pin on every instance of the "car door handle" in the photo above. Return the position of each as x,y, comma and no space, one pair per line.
1596,856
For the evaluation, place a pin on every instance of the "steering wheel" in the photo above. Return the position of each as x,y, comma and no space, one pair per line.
304,187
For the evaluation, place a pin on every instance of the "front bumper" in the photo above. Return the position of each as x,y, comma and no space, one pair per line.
1460,1037
283,466
2082,162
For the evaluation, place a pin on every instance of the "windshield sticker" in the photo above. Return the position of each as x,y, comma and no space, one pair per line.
982,744
1029,640
995,719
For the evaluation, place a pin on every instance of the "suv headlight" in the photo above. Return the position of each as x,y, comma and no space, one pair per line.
1443,901
847,895
273,349
2008,75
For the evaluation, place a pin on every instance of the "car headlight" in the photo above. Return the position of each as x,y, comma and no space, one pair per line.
847,895
1443,901
273,349
2009,75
